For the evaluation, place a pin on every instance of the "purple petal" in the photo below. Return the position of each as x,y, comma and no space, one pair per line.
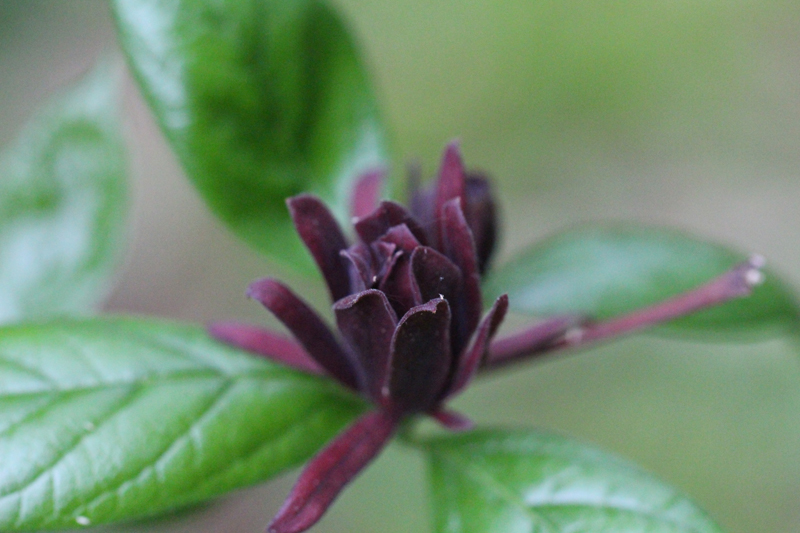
457,244
421,357
451,183
367,193
267,343
329,471
308,328
452,420
360,267
735,283
532,340
481,215
424,275
434,274
371,227
324,239
400,286
385,253
477,352
367,322
402,237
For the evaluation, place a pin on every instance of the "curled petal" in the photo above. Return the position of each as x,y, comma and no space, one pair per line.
451,182
452,420
477,351
360,268
735,283
324,239
400,286
367,193
481,215
267,343
326,475
386,253
367,322
459,247
435,275
531,340
402,237
308,328
421,357
425,275
371,227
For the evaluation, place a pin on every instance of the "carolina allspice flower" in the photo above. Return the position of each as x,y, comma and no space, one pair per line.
407,302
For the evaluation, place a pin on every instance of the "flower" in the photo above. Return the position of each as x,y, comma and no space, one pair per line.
407,302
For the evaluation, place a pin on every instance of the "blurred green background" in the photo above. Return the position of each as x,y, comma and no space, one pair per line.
684,113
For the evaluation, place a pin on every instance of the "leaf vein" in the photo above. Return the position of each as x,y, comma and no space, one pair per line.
185,435
30,415
25,484
471,468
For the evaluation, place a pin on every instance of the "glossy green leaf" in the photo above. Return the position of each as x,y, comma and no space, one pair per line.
115,419
63,204
608,270
261,99
524,481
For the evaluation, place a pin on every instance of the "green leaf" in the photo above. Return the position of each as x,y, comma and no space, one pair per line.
522,481
607,270
261,99
115,419
63,204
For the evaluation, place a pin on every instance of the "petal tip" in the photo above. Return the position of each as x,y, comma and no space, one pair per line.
454,146
260,290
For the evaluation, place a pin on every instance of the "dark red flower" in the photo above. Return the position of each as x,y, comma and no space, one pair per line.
407,302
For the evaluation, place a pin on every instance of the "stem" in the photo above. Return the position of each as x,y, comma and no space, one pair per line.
533,342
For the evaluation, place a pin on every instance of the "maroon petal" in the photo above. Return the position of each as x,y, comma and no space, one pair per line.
476,352
458,245
421,357
385,253
308,328
434,274
367,322
402,237
481,215
531,340
322,236
267,343
737,282
452,420
329,471
571,331
451,182
371,227
360,269
400,286
367,193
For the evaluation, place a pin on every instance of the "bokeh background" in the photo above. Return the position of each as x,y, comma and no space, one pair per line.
681,112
